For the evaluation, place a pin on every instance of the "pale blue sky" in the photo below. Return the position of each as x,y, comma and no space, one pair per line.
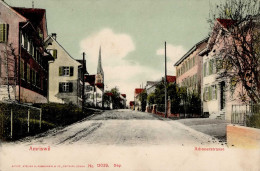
145,23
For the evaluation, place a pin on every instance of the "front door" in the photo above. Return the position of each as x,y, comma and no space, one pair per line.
222,95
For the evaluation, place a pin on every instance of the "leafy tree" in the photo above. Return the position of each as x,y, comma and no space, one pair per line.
143,100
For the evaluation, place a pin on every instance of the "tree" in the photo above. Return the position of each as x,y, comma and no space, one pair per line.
114,98
239,55
143,100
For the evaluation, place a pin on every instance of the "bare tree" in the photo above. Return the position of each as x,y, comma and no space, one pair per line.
239,54
9,62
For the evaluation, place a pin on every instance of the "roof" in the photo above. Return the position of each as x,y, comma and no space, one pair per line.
139,90
226,23
90,79
10,8
81,61
34,15
190,51
171,79
124,95
100,85
131,103
50,38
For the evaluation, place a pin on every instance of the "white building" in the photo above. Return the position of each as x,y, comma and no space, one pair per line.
65,85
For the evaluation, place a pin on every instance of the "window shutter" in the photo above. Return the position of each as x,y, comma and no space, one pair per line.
60,87
204,69
210,93
71,71
60,71
216,91
3,32
204,94
55,53
70,87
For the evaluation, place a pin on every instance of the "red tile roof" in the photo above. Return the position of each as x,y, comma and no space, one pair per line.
131,103
109,94
100,85
35,15
139,90
171,79
90,79
124,95
226,22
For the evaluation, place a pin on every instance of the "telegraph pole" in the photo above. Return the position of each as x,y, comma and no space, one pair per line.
165,84
83,80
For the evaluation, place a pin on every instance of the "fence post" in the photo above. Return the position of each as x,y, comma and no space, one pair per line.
11,123
28,121
40,118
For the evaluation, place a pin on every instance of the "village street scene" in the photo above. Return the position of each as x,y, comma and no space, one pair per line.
130,85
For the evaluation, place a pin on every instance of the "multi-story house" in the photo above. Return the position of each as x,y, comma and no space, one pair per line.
189,68
23,59
65,74
217,96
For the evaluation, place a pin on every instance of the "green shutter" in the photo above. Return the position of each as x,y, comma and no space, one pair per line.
60,71
204,69
60,87
210,93
70,87
71,71
3,32
216,91
55,53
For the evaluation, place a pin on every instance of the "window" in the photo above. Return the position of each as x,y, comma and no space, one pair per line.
25,42
65,87
66,71
205,69
3,33
28,73
214,92
22,69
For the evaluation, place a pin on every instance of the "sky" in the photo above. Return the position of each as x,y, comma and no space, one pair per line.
131,34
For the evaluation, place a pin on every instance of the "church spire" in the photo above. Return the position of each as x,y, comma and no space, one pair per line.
99,68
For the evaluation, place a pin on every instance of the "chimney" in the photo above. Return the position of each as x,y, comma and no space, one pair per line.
54,36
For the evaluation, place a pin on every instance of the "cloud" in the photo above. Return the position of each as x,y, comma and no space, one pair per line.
174,53
121,73
114,47
124,74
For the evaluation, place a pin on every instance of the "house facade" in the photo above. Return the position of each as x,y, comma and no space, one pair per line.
137,102
90,90
217,95
65,82
189,68
23,58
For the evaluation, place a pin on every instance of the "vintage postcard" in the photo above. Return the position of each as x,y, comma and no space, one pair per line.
129,85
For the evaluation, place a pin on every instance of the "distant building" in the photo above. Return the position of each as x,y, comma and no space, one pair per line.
23,70
189,68
137,101
131,105
90,90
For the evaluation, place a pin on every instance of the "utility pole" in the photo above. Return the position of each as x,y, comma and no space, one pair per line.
165,84
83,80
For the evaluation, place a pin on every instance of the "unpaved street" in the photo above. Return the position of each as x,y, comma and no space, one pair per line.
123,127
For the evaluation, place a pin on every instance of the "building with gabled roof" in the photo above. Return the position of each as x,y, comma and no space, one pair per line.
65,74
24,68
189,67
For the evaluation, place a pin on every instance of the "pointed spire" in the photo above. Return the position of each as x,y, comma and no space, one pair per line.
99,68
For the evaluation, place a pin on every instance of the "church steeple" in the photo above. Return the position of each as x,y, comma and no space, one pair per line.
99,68
100,72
